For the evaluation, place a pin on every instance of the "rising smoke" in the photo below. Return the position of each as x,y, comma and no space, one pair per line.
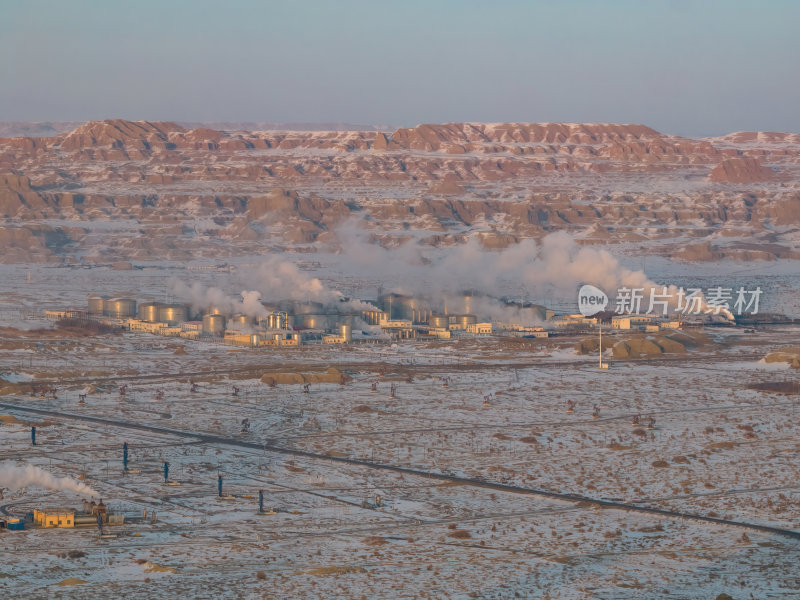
274,280
15,477
202,297
557,263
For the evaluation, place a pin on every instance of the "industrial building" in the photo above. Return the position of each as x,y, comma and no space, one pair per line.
345,336
479,328
92,513
54,517
630,321
573,321
12,523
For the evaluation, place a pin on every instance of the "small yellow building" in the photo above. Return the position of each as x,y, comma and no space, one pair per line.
145,326
439,332
54,517
630,321
479,328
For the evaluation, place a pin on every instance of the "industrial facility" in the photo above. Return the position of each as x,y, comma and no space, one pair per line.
291,323
391,316
92,514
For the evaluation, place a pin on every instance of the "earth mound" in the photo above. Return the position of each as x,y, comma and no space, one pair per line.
789,354
332,375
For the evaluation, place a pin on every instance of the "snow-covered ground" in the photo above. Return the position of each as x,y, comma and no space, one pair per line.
717,449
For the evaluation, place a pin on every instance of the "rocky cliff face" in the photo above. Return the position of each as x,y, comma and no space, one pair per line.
114,190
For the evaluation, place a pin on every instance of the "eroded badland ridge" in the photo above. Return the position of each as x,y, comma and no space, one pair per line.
156,190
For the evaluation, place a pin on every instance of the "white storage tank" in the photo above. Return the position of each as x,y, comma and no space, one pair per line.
464,320
240,322
213,324
119,308
96,304
148,312
440,321
277,320
173,314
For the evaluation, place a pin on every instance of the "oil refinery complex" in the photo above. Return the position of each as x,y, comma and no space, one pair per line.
290,323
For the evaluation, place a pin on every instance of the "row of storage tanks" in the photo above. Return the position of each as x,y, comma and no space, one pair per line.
306,315
155,312
397,307
215,322
119,308
213,319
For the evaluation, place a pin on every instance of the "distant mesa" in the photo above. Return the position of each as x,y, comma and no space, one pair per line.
450,136
119,133
180,190
741,170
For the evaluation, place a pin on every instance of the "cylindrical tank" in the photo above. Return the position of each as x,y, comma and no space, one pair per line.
464,320
213,324
373,317
307,308
309,321
399,307
422,315
277,320
346,331
239,322
172,313
148,312
441,321
213,310
119,308
96,304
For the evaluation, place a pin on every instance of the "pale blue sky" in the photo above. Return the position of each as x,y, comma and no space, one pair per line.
695,67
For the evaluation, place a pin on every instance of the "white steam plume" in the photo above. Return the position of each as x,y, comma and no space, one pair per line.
274,279
15,477
279,279
557,262
202,297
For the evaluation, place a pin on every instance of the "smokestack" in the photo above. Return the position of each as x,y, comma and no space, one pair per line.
166,471
219,485
33,436
261,501
125,456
